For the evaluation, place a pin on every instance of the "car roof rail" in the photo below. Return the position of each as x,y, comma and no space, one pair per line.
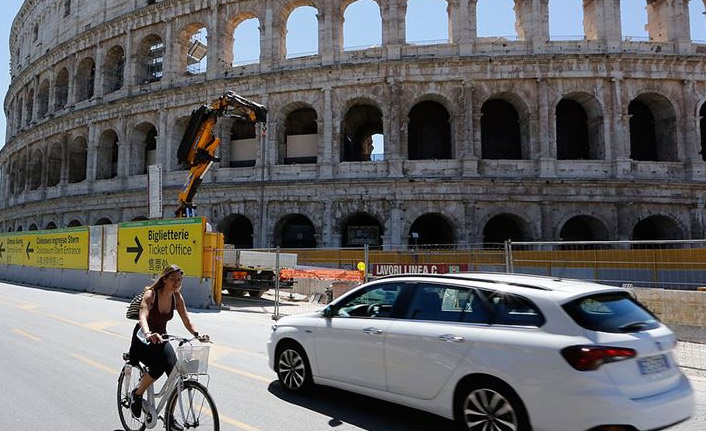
461,277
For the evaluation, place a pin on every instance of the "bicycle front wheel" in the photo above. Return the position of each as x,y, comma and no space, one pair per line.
192,408
128,380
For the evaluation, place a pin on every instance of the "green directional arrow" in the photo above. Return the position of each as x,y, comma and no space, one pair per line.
137,249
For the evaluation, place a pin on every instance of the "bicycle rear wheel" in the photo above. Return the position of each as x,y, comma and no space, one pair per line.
126,383
192,408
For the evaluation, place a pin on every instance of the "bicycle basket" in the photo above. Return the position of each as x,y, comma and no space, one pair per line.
192,359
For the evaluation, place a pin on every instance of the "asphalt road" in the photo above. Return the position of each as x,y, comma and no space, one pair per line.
60,355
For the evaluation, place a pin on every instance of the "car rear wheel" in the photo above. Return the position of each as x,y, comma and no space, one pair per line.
293,370
490,407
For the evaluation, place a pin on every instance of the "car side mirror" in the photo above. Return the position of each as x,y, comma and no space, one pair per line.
328,312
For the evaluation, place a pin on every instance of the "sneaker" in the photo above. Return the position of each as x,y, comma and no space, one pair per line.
135,404
175,426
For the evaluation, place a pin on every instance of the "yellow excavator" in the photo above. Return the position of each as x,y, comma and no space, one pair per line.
197,151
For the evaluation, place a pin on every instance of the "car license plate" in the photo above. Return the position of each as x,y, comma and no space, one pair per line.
653,364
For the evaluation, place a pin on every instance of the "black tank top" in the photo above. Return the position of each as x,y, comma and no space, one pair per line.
158,320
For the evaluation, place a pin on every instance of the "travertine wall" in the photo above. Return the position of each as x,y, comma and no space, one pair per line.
539,191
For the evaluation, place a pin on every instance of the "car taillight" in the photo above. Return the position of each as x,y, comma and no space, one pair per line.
588,358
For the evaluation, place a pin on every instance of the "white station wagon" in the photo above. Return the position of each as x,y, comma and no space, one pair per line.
495,352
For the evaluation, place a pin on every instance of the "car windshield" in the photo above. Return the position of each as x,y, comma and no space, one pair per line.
615,312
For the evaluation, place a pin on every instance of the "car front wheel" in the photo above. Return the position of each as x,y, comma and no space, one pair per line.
490,407
293,369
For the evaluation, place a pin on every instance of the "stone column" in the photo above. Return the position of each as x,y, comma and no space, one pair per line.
327,48
460,24
170,61
164,134
393,27
267,38
668,21
215,64
393,231
100,72
469,155
547,222
64,144
532,23
602,22
545,145
621,131
326,158
92,152
393,151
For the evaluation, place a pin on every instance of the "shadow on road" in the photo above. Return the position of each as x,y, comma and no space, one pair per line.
363,412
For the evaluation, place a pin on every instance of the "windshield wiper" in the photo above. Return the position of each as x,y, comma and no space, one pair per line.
635,325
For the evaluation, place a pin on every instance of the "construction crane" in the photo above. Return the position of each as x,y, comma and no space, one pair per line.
197,151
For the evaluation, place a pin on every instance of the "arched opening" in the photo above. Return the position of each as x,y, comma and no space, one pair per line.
427,22
566,20
505,227
107,156
429,134
634,28
54,167
431,231
702,128
32,227
78,150
496,19
697,10
295,231
43,99
301,137
238,231
360,125
143,148
302,32
150,60
362,14
114,70
35,170
583,228
571,131
61,91
501,137
243,144
19,228
657,228
652,129
74,223
103,221
194,48
85,79
361,229
246,42
50,226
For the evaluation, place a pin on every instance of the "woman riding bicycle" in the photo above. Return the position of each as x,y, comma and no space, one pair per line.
158,304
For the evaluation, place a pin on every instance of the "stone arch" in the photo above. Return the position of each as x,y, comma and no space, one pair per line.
43,99
362,120
656,228
417,18
584,228
143,148
50,226
579,127
85,79
78,156
107,155
361,228
505,127
505,226
35,170
54,164
61,89
295,231
429,129
103,221
238,231
432,230
300,129
310,11
74,223
193,48
32,227
370,17
150,59
114,69
653,128
243,39
702,130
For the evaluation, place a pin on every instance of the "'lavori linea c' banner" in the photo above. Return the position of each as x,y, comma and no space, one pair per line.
61,248
148,246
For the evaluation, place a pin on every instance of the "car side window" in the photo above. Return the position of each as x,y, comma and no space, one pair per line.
379,300
508,309
447,304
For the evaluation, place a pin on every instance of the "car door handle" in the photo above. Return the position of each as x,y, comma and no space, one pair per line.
372,331
450,338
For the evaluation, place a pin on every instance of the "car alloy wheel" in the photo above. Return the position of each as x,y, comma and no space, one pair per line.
291,369
486,410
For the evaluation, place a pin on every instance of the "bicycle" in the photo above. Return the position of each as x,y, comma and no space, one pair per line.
187,402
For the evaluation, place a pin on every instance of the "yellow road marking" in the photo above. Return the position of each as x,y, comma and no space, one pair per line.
103,324
93,363
29,307
26,334
242,373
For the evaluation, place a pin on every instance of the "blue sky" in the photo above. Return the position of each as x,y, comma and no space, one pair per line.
426,21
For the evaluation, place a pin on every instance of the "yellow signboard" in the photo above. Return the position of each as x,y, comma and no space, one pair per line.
61,248
147,247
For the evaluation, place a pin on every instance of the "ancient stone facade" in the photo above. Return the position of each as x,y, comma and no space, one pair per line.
485,139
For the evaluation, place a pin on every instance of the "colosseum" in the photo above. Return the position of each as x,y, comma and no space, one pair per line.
485,138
